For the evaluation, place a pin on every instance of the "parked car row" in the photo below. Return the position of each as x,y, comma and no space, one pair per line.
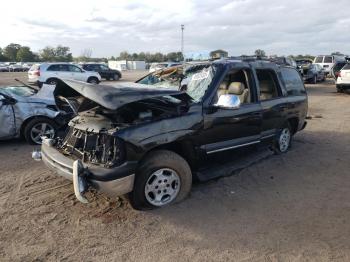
51,73
328,61
13,67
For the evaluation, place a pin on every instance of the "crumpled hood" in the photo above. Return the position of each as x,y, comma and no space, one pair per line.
113,97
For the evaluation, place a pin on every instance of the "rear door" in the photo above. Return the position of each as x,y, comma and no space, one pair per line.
7,116
272,103
60,71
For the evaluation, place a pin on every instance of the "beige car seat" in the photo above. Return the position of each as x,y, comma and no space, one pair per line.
222,89
267,90
238,89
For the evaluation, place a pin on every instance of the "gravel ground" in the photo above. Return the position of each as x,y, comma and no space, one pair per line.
291,207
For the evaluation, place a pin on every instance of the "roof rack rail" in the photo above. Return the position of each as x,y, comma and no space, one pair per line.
279,60
249,58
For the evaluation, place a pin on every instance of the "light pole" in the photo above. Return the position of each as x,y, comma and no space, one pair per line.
182,41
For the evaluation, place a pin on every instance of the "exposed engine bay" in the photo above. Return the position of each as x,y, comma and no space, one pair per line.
92,135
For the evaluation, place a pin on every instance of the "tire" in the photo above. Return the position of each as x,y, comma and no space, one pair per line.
283,139
52,81
32,129
116,77
339,89
93,80
151,181
314,80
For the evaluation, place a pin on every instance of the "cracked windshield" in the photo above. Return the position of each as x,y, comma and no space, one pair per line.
195,80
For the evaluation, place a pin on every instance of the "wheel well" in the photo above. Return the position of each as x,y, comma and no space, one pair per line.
51,78
294,123
91,77
25,122
182,148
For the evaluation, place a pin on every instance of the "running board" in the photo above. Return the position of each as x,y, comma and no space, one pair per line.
234,165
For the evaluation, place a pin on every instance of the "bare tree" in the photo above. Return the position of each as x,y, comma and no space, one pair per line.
85,55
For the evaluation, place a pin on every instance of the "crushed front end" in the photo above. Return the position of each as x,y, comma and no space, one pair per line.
90,158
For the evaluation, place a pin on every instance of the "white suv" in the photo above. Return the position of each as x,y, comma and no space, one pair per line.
328,61
50,73
343,80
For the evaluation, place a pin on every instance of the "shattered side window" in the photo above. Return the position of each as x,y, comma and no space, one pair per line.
198,80
194,79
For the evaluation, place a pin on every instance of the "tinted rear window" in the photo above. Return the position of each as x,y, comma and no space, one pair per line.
292,81
328,59
319,59
346,67
58,68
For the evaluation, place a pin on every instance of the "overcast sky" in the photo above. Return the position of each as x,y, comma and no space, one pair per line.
238,26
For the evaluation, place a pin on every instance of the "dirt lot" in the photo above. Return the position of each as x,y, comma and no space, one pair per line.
293,207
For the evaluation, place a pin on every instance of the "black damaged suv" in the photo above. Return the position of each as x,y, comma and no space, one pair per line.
151,138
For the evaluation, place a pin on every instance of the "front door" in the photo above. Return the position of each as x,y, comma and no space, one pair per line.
7,118
226,128
77,73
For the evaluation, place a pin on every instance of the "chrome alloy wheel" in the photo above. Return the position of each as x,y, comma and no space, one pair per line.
162,187
284,140
41,129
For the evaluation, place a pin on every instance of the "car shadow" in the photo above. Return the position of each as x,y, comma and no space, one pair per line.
274,198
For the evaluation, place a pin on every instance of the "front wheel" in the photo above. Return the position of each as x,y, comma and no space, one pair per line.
163,178
314,80
283,140
93,80
38,127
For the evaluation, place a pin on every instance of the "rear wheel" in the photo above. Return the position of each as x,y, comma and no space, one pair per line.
116,77
38,127
163,178
283,140
52,81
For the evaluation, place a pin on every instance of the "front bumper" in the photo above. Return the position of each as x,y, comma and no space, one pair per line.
112,181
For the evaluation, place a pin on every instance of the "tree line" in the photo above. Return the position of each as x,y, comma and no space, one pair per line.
17,53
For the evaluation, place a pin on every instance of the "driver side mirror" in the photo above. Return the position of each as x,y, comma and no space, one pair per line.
228,102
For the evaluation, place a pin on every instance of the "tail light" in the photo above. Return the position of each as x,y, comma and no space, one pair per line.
37,73
339,74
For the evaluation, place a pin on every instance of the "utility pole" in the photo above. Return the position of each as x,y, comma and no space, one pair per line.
182,41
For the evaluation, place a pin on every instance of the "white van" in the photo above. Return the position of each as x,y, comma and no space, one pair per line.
328,61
